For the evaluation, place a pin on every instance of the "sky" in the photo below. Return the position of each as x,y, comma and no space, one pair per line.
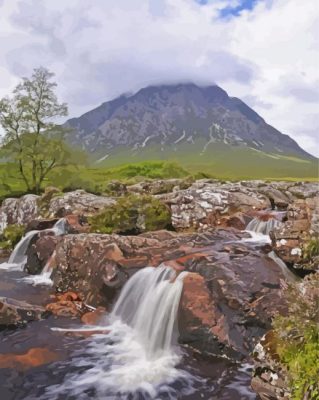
265,52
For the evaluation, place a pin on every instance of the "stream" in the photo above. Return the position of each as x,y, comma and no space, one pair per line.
133,354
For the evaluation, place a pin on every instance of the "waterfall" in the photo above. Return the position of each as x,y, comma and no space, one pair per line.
18,257
149,303
44,278
136,358
262,227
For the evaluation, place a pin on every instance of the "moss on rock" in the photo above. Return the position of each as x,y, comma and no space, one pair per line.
11,235
132,214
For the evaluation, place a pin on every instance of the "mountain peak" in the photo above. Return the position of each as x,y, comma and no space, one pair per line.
184,117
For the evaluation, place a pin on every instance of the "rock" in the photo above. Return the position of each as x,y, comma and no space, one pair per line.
76,224
18,211
159,186
289,239
204,204
116,188
237,220
14,313
41,224
39,252
97,265
304,190
94,317
32,358
269,379
228,300
78,202
68,304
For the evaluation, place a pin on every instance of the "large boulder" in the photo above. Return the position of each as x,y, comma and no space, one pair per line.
18,211
204,203
78,202
229,299
97,265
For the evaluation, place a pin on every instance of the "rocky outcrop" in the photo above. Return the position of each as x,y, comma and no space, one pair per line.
159,186
228,299
14,313
205,203
78,202
289,240
68,304
269,379
18,211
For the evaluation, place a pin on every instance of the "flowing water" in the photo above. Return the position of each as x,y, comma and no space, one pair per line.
18,257
133,354
262,227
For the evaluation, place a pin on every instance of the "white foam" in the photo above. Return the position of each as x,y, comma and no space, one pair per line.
138,354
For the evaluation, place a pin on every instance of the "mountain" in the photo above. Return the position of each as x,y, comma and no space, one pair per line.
198,126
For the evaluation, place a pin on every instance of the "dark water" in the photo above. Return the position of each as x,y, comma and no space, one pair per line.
75,355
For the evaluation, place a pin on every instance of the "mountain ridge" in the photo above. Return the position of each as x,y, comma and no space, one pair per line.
178,120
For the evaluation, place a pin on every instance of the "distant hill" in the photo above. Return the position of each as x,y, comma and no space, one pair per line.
200,127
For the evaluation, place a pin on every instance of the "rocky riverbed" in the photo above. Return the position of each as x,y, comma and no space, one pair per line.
231,292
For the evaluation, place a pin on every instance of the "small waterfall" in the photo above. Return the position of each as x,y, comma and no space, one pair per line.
148,303
261,227
44,278
18,257
136,358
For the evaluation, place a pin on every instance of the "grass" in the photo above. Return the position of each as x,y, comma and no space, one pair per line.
218,161
221,161
297,339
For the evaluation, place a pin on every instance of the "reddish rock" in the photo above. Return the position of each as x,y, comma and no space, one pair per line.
32,358
41,224
76,224
14,313
68,304
94,317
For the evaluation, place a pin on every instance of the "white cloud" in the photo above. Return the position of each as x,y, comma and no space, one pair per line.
98,50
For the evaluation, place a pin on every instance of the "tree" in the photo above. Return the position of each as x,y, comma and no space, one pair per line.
32,138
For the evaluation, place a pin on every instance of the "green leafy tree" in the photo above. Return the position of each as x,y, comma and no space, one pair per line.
33,139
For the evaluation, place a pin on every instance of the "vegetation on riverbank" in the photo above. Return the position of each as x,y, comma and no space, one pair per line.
10,236
132,214
96,180
298,339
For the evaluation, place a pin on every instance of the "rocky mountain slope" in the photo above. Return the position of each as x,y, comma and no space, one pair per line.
183,122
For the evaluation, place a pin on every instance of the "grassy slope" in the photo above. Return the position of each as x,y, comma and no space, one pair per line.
219,160
223,161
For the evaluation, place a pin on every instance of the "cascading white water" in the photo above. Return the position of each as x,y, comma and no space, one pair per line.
44,278
18,257
137,355
148,303
262,227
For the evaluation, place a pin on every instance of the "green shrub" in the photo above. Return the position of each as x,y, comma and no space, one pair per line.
11,235
132,214
298,339
311,249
